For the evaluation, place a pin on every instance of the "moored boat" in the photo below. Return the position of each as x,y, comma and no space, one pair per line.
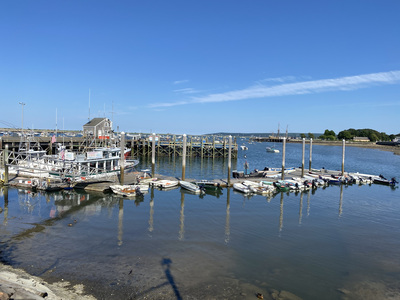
130,190
241,188
165,184
208,185
190,187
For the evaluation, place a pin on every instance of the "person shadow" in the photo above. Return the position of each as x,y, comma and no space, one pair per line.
166,263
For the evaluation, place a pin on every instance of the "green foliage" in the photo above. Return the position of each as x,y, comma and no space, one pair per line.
302,135
373,135
329,135
310,135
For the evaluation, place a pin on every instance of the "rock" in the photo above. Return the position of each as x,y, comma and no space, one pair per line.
4,296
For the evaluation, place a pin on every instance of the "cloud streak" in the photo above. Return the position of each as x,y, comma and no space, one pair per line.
297,88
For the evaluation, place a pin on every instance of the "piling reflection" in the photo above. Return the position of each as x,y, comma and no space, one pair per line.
341,200
182,218
120,221
5,209
151,221
301,208
281,214
227,218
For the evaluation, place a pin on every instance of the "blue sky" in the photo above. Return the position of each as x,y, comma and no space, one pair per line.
200,67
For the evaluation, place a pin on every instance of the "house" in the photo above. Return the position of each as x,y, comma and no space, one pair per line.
360,139
100,128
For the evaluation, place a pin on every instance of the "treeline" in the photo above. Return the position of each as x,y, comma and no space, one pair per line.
349,134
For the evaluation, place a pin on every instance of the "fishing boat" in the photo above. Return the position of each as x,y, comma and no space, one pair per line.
130,190
190,187
164,184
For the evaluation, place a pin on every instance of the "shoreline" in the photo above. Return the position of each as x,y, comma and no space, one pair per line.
369,145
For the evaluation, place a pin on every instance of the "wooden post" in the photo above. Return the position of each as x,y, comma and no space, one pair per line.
343,151
302,160
283,157
153,154
201,147
229,160
213,147
143,146
174,146
122,158
184,157
5,158
310,155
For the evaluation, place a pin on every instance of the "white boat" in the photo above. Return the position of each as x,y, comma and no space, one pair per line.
130,190
100,163
259,187
165,184
241,188
190,186
243,147
272,150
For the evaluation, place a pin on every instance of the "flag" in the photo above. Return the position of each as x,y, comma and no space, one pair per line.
53,139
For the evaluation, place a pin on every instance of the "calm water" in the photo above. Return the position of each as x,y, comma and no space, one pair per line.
334,243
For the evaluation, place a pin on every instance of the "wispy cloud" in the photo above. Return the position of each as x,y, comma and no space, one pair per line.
181,81
296,88
186,91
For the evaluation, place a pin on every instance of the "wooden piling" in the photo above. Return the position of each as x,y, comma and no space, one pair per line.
343,151
122,158
309,167
302,160
283,158
153,154
5,159
184,157
229,160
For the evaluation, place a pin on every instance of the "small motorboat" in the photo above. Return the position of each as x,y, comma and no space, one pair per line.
190,187
130,190
272,150
241,188
209,185
165,184
384,181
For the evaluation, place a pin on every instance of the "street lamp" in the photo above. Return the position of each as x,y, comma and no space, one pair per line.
22,104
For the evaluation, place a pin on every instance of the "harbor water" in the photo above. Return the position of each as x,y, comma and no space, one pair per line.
337,242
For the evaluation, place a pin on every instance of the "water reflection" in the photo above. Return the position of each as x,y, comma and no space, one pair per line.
301,207
341,200
120,221
151,221
182,218
227,218
281,214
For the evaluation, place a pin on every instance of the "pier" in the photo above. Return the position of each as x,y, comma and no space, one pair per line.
196,146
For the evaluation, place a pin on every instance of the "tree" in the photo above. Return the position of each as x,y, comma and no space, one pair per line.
310,135
302,135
